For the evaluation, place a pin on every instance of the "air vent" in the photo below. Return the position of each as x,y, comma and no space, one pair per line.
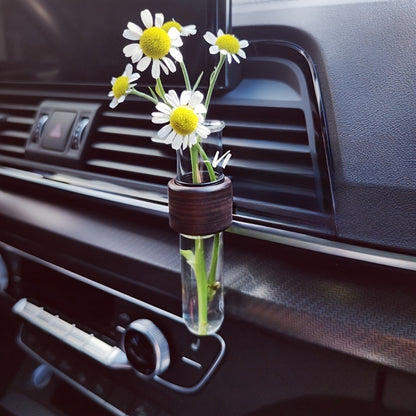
273,129
122,146
17,115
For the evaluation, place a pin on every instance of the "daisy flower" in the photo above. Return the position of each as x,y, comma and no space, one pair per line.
183,30
122,85
153,44
185,117
226,44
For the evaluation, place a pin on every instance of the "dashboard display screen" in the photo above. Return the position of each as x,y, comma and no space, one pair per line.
76,42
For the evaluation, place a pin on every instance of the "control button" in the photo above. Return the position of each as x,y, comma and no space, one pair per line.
56,132
146,348
79,131
41,376
39,128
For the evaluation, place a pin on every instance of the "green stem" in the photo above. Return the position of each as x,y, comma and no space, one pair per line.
193,151
185,76
202,287
143,95
213,80
213,267
208,164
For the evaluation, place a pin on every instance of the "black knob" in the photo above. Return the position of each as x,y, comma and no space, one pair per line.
146,348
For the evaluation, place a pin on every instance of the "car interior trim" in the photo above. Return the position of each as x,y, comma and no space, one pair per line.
112,193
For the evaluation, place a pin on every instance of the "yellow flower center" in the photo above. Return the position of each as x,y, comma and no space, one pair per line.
120,86
229,43
155,42
170,24
183,120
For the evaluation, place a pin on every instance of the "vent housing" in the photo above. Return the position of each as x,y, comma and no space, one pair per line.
274,130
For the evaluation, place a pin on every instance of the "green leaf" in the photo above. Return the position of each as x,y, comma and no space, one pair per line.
153,93
189,257
198,81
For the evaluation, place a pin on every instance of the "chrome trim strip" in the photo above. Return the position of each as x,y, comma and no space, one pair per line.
72,382
321,245
289,238
107,355
100,190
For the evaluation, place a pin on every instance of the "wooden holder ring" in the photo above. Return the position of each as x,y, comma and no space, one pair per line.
200,209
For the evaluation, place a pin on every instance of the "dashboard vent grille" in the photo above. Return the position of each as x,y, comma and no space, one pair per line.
17,115
273,130
122,146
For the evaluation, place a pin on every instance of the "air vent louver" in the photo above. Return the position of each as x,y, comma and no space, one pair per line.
122,146
17,115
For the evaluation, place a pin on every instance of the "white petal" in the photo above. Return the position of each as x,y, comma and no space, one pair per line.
165,68
229,58
114,103
177,43
134,77
147,18
210,38
160,118
164,132
235,58
156,69
177,142
128,70
192,139
172,98
135,28
203,131
130,49
226,160
188,30
241,53
113,80
170,138
169,63
174,34
223,52
164,108
214,49
159,19
200,109
185,97
176,54
143,63
137,55
196,98
243,43
220,33
130,35
110,94
185,142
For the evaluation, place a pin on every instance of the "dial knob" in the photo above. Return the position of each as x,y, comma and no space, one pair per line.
146,348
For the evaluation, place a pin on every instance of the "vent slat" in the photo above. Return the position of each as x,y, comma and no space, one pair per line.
27,121
166,175
15,134
20,112
10,149
126,131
